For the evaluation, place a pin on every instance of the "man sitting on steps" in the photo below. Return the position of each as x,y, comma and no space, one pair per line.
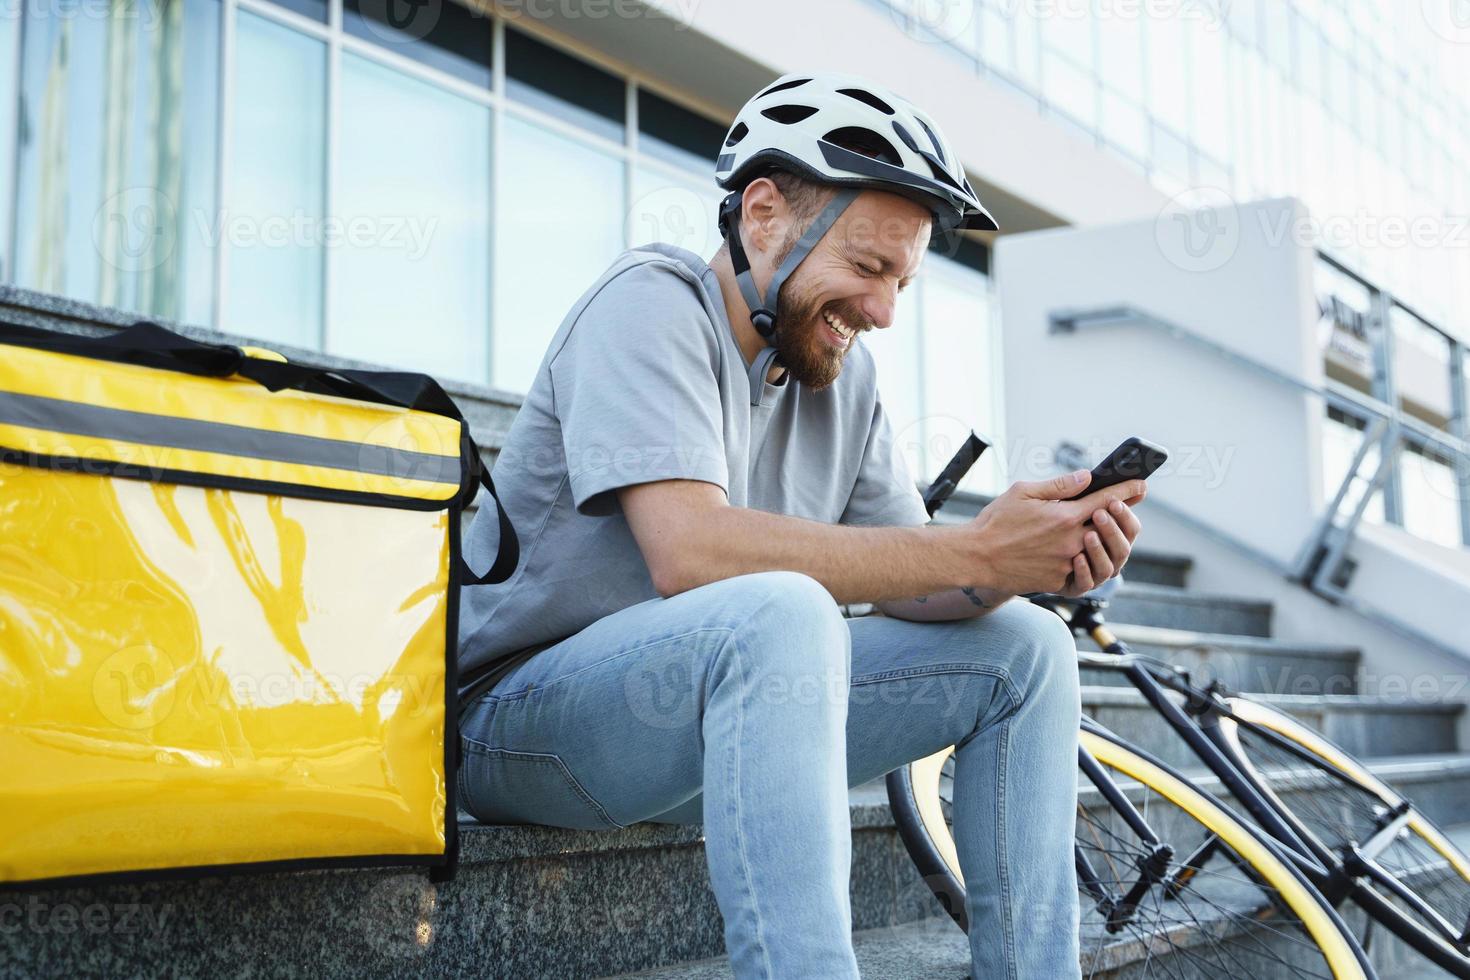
702,471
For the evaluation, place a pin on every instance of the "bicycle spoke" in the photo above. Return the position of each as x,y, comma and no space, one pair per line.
1225,923
1139,826
1343,816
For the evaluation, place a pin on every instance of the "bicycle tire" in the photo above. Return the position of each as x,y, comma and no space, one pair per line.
1270,891
1422,858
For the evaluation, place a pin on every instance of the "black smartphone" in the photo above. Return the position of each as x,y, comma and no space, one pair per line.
1134,459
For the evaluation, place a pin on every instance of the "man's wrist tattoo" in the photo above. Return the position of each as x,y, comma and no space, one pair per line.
974,599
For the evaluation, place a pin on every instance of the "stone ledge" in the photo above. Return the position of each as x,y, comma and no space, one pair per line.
1165,636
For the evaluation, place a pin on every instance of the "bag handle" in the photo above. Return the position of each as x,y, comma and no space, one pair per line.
148,344
508,550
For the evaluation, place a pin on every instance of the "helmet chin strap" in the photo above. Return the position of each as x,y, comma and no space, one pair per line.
763,310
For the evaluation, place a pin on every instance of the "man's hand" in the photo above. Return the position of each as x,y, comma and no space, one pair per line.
1034,538
1108,544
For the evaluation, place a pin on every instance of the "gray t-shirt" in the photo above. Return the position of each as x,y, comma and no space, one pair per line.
644,381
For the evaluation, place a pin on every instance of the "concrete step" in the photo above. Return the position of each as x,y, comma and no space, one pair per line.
531,902
1243,663
1437,783
1362,725
528,902
1158,568
934,948
1160,605
931,948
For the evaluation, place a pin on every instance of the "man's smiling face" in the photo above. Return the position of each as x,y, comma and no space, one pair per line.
849,284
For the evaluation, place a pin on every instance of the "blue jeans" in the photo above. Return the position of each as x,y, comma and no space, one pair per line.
751,705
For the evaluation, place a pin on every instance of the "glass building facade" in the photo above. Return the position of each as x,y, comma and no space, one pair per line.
309,174
434,195
1359,108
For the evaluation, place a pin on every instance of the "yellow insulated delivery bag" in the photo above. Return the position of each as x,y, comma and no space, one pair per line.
228,602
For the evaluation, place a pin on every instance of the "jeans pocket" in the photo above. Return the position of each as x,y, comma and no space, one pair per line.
508,787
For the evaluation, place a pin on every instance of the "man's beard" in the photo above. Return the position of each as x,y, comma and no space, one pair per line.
798,341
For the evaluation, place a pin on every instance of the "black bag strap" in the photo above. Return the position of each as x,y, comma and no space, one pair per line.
144,343
508,551
151,345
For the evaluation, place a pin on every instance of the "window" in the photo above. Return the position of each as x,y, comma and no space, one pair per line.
112,207
1171,159
1249,140
1276,40
1421,363
674,133
563,86
1340,88
442,35
1125,124
995,41
1069,32
1211,74
1243,17
312,9
1027,44
9,65
1431,496
675,208
274,203
1282,113
1070,89
959,347
410,280
1120,50
559,222
962,250
1168,63
896,355
1309,59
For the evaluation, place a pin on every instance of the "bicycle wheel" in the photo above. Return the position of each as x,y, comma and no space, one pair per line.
1225,905
1410,876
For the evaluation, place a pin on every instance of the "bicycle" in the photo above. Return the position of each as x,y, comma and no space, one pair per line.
1164,867
1198,882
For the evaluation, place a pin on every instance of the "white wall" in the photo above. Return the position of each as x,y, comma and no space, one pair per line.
1246,450
1228,430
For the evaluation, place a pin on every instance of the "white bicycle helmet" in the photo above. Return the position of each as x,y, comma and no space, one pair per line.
844,130
841,130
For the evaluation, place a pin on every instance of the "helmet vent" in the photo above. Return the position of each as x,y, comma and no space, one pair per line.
940,174
867,98
783,86
903,134
934,140
737,134
866,142
789,114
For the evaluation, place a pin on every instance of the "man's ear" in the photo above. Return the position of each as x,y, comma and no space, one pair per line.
764,215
